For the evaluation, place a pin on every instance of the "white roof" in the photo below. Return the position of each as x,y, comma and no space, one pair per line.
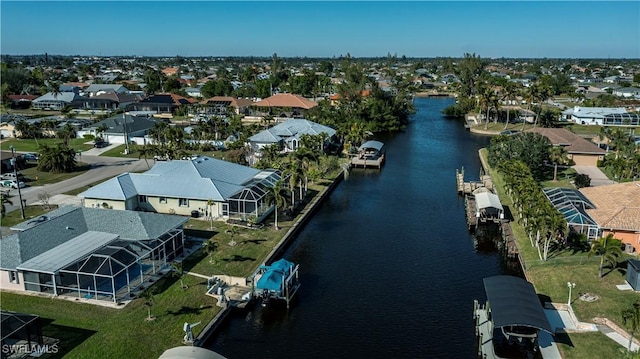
73,250
190,352
487,200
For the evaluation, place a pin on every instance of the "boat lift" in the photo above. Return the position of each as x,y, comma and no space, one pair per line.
280,281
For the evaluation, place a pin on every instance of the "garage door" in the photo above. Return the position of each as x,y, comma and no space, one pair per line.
584,160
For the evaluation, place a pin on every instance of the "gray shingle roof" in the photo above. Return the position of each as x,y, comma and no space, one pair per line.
57,227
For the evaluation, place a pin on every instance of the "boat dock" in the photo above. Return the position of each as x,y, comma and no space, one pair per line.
370,154
484,330
470,187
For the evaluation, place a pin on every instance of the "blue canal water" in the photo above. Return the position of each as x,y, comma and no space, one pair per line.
388,269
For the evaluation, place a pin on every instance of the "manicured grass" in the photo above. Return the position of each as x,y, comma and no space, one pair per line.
118,151
30,145
14,217
40,178
89,331
587,345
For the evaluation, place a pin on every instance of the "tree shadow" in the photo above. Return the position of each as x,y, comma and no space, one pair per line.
563,338
238,258
254,241
199,233
69,337
188,310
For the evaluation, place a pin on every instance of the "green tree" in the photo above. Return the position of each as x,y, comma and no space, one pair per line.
178,272
210,246
557,155
4,200
631,317
149,300
59,159
609,249
67,132
277,196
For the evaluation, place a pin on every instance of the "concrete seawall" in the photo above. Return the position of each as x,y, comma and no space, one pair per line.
304,216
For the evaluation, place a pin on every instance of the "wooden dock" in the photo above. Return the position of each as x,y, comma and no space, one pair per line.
470,207
484,330
465,188
367,162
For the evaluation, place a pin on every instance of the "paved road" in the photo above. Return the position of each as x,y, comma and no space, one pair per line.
101,168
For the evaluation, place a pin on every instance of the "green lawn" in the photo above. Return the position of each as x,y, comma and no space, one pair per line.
118,151
587,345
31,145
573,265
88,331
14,217
40,178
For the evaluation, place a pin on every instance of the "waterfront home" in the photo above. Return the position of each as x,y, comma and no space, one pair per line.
201,187
51,101
581,151
89,253
287,134
616,210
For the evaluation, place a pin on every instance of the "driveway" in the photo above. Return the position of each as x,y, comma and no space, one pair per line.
101,168
597,177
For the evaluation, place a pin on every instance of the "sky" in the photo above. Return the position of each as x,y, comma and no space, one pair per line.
515,29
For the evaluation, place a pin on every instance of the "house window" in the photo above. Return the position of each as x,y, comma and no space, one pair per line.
13,277
183,202
163,199
142,199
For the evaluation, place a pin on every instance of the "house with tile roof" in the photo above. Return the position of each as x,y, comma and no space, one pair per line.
581,151
89,253
617,211
287,134
201,187
284,105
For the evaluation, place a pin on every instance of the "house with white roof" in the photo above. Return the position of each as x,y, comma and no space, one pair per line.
627,92
287,134
590,115
89,253
51,101
97,89
201,187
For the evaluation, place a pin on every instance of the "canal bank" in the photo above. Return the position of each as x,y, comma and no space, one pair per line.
303,217
388,268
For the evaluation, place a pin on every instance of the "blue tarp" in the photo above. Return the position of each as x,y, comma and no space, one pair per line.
274,275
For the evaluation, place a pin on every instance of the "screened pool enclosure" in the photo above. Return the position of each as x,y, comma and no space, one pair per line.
101,266
252,199
572,204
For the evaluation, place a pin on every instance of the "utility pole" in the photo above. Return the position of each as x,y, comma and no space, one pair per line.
126,135
15,172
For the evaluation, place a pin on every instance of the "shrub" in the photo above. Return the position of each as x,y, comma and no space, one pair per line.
582,180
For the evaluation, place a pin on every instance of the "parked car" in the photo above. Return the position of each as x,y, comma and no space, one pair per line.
12,184
30,156
11,176
100,144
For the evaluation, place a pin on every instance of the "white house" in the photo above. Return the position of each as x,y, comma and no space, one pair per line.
51,101
200,187
590,115
287,134
97,89
627,92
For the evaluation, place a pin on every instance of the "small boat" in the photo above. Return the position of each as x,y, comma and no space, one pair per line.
370,154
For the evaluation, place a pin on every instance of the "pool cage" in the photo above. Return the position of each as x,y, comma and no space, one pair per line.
572,204
621,119
251,201
111,272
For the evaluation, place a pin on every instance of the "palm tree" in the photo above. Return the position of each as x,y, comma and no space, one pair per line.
149,300
509,93
178,272
632,316
557,155
3,200
210,247
278,197
609,249
144,152
67,132
210,204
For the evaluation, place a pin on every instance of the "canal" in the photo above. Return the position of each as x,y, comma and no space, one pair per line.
388,269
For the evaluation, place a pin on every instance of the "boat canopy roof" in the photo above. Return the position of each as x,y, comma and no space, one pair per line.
487,200
514,302
275,274
376,145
